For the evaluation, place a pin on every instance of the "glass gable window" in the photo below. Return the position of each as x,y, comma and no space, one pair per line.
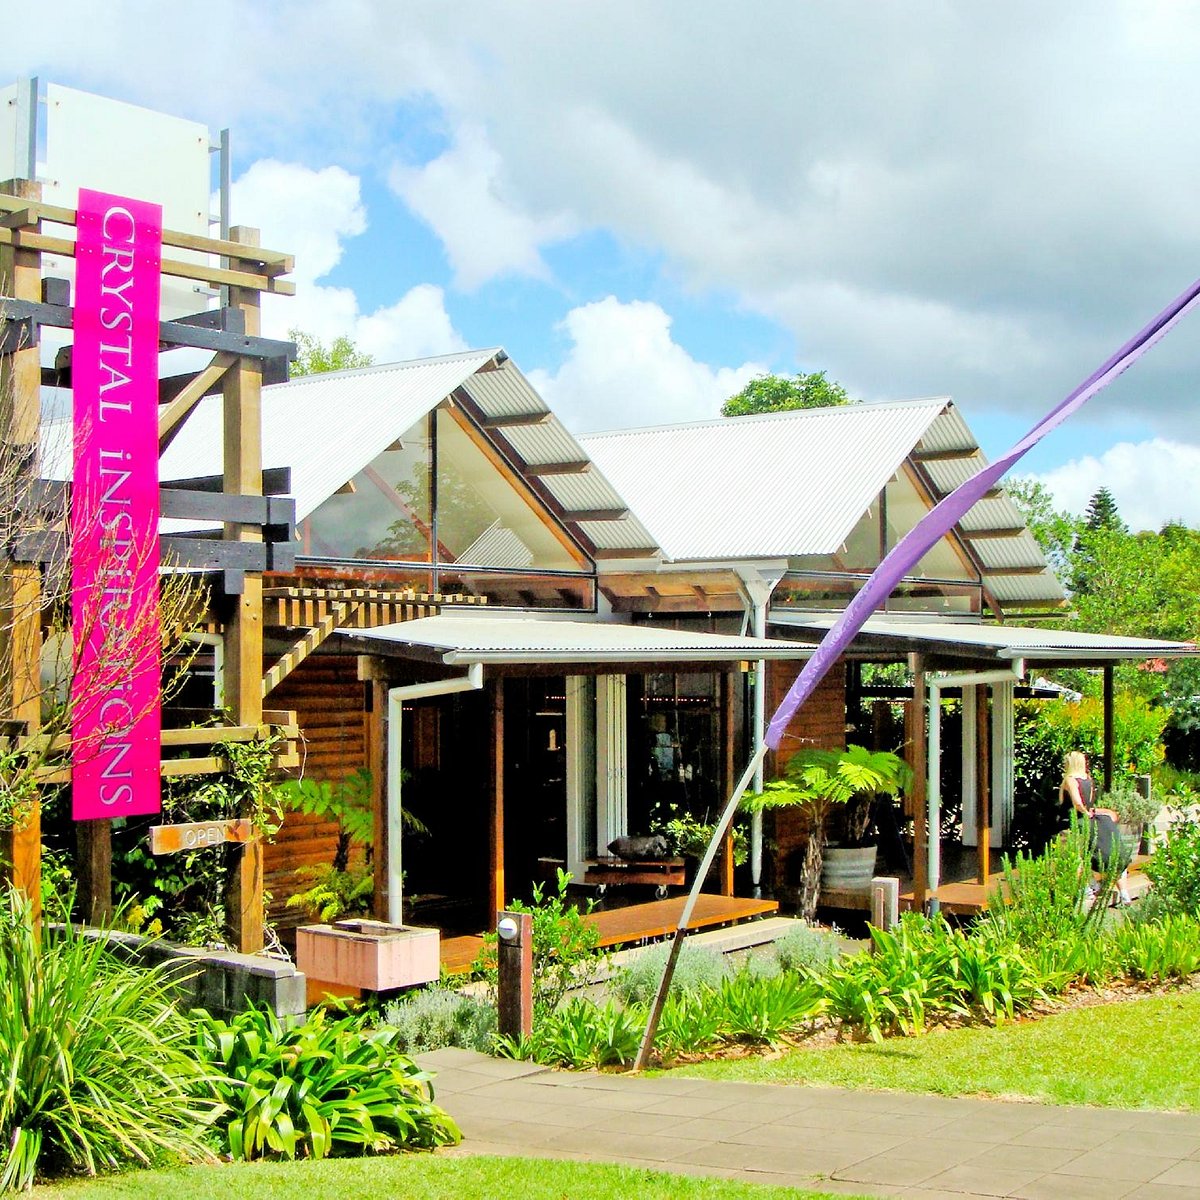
482,519
434,496
387,513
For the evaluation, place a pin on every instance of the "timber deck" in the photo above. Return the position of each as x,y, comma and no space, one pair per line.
963,898
632,924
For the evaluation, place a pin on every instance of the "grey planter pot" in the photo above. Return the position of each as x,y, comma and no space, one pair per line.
848,870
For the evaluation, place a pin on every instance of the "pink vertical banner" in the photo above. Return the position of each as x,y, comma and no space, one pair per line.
116,694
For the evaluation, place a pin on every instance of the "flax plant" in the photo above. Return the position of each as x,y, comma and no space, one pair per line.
96,1065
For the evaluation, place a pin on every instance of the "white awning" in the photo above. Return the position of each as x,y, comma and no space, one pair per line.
995,641
459,639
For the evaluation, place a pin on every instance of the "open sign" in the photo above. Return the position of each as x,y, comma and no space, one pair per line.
197,835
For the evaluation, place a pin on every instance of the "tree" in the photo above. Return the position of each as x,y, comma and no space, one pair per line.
779,393
1101,524
315,357
1102,512
1056,530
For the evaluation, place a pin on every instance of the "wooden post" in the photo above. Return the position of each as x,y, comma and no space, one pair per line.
514,971
496,897
20,583
371,671
983,784
243,630
1108,726
93,844
917,762
728,777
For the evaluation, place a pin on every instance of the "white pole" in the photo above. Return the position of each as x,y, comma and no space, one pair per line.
760,728
933,839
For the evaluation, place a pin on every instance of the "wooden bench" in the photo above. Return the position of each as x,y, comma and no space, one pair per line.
658,873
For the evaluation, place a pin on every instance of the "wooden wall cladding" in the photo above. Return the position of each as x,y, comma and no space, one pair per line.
820,722
327,697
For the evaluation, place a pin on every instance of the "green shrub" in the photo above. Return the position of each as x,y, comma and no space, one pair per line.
1045,896
991,975
438,1017
1158,952
908,975
753,1009
807,948
96,1061
565,952
925,969
636,982
323,1087
689,1024
1175,869
582,1035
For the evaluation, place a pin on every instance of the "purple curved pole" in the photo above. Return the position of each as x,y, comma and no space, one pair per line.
904,555
947,512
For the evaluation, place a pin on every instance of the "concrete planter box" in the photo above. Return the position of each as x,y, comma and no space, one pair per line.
371,955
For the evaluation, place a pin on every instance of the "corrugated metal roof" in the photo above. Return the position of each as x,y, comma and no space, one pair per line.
1019,551
327,427
761,487
1003,641
469,637
505,392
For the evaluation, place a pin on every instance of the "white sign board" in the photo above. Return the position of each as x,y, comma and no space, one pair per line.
110,146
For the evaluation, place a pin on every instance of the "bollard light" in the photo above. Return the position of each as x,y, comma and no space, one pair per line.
508,929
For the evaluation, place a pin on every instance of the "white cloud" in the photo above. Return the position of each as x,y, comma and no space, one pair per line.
624,369
312,214
416,326
981,199
1150,481
461,195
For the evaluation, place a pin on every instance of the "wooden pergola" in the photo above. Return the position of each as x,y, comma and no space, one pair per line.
257,523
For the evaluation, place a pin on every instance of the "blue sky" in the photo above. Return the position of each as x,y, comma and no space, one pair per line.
648,203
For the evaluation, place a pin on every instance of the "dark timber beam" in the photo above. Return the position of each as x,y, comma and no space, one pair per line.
958,455
577,467
1000,531
991,494
187,331
515,420
276,481
595,514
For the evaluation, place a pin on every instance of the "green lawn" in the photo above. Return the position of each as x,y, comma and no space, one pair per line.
418,1177
1141,1053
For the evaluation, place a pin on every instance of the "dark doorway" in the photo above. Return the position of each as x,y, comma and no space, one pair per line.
535,782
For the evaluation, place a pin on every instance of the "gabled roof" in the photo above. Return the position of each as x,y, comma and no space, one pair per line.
328,427
788,484
770,486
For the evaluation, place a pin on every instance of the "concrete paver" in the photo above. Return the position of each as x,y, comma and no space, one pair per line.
860,1143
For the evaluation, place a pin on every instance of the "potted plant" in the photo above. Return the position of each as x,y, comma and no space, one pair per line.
1134,810
688,838
821,781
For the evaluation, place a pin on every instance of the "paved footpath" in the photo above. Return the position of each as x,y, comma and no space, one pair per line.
861,1143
